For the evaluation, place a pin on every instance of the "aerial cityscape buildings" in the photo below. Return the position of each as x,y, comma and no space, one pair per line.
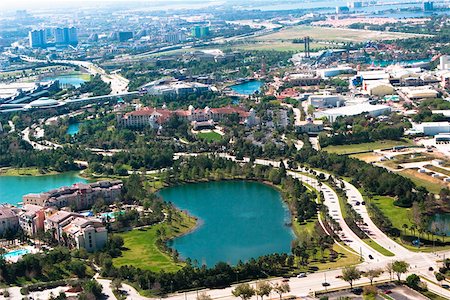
195,150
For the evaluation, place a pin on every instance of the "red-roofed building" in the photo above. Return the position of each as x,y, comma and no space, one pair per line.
155,117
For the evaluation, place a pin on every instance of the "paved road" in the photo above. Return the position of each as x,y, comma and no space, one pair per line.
354,196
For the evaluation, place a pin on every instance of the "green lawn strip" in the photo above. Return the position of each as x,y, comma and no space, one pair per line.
142,251
377,247
366,147
209,136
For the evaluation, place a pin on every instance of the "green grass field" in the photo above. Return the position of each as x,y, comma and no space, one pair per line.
209,136
31,171
277,46
365,147
332,34
142,249
397,215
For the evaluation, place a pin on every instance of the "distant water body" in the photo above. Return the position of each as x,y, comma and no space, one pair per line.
247,88
238,220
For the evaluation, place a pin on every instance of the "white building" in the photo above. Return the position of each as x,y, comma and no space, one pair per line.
353,110
331,72
444,62
310,126
325,100
433,128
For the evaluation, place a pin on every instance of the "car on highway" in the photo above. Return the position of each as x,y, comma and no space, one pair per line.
363,203
301,275
370,256
358,203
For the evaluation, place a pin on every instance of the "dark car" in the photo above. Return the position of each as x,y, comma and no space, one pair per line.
363,203
430,269
358,203
387,292
370,256
357,291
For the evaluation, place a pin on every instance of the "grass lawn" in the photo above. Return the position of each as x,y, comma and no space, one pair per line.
210,136
433,185
346,258
142,249
32,171
374,245
332,34
277,46
366,147
397,215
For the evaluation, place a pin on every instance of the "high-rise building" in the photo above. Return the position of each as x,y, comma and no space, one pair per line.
124,36
428,6
66,36
200,32
37,38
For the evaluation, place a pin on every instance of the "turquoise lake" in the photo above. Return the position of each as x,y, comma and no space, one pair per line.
247,88
12,188
238,220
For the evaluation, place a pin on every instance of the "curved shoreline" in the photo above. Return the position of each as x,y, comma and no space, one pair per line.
287,221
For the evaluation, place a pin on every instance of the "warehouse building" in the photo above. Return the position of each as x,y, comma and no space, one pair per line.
353,110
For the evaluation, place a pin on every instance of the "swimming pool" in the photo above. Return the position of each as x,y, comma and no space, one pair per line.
16,253
113,214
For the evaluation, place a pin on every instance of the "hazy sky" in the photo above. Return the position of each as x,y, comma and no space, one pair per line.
36,4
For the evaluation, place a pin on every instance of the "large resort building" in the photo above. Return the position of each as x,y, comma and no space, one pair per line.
78,196
53,212
155,117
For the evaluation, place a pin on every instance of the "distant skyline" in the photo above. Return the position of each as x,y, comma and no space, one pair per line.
46,4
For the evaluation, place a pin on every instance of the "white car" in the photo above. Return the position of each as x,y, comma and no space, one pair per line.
301,275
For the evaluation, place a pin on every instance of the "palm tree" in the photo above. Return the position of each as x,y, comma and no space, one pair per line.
405,226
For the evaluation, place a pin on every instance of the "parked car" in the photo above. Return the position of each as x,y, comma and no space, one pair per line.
388,292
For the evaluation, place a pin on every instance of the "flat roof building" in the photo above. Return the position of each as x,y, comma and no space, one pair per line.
353,110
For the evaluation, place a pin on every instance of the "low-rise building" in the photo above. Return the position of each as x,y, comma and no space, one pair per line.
325,100
353,110
418,93
379,88
155,117
310,126
9,222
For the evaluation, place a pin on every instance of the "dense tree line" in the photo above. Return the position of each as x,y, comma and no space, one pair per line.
56,264
363,130
96,86
375,180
